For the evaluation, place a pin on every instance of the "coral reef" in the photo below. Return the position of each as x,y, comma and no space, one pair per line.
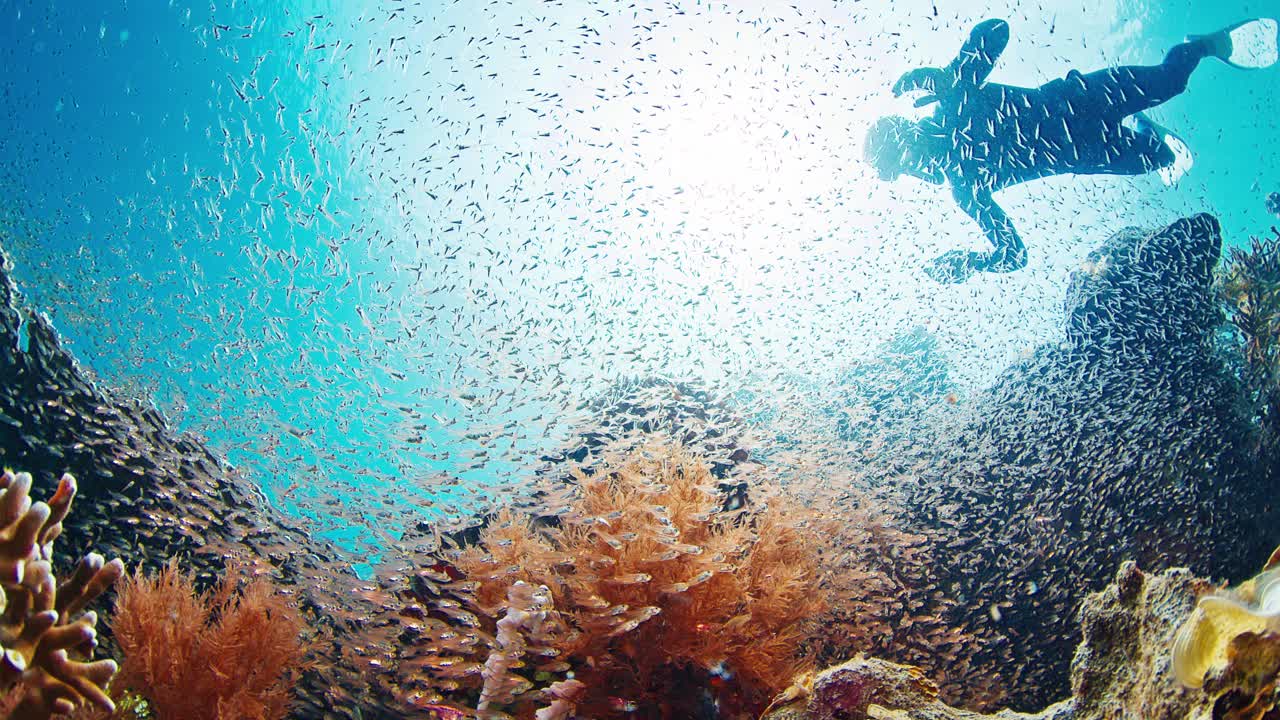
626,417
618,422
564,700
1231,641
151,493
1128,439
882,690
220,655
529,613
46,633
1250,285
1123,666
887,598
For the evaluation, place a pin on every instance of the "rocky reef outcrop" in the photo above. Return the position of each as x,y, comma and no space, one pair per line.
149,493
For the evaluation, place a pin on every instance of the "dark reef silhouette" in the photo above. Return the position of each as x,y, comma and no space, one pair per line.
1129,440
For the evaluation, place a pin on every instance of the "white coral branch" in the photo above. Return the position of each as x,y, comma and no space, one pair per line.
528,611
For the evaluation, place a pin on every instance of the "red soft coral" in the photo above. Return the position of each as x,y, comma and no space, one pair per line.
221,655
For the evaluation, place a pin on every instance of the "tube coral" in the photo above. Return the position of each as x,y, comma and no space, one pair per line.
564,703
46,633
220,655
529,611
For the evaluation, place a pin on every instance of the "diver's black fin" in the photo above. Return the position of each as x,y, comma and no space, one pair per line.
1250,45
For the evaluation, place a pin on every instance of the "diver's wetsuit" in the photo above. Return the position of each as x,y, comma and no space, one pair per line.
986,136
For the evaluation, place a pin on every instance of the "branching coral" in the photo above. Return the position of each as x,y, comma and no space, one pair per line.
658,589
1252,284
220,655
47,635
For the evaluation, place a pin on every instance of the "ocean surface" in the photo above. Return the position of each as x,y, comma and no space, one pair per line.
390,253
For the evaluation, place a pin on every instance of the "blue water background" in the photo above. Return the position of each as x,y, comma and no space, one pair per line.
276,318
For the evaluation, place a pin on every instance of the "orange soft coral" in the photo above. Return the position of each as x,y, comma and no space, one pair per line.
657,586
220,655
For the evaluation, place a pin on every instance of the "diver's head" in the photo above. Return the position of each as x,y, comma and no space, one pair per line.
886,146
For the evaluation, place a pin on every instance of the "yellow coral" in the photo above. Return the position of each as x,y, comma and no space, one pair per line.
1202,643
45,635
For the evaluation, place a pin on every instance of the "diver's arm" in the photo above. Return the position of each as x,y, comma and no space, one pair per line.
979,54
1008,253
970,68
929,79
934,81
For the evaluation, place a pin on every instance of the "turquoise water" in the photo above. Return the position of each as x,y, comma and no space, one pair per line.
365,251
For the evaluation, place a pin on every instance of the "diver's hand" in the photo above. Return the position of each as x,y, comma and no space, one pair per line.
929,79
954,267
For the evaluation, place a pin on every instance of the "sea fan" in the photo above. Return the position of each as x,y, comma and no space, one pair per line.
1251,285
232,653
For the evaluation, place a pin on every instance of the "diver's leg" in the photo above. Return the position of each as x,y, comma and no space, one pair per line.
1136,152
1149,148
1118,92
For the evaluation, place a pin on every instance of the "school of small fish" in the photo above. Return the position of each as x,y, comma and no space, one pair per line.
392,256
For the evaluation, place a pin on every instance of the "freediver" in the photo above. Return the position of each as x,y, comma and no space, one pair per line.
983,136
